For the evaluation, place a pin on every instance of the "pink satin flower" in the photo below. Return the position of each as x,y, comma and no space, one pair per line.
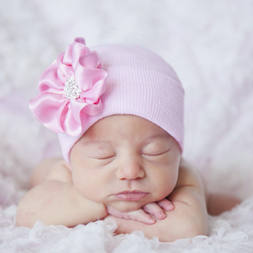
70,89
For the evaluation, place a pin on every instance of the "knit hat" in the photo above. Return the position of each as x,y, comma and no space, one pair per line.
138,82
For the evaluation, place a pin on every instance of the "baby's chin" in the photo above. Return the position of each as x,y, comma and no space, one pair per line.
128,206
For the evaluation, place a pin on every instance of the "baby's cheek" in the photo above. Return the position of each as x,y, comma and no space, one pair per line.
81,183
165,187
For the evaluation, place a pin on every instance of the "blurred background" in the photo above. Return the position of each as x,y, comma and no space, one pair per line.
209,44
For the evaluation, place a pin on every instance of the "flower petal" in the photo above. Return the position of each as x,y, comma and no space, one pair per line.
76,108
93,109
67,121
80,40
67,59
45,108
93,94
49,80
64,71
79,110
85,78
91,60
78,50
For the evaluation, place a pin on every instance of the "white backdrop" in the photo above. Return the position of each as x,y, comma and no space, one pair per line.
209,43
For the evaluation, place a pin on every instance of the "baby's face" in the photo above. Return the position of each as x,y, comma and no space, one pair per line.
125,161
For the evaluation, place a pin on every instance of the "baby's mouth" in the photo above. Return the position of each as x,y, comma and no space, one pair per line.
131,195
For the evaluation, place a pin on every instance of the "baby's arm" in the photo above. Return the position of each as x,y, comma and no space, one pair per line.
55,201
188,219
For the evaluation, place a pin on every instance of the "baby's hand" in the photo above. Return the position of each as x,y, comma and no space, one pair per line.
145,214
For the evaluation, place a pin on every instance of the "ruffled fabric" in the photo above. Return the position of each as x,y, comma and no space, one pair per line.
230,232
70,89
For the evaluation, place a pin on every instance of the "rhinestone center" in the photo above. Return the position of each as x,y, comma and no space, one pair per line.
71,89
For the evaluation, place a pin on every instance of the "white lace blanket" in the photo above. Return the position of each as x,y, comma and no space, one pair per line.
210,45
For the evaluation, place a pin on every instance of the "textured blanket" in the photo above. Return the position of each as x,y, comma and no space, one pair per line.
209,44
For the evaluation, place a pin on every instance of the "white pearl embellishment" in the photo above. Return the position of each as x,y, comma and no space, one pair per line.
71,89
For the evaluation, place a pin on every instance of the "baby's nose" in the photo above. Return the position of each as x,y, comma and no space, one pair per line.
130,170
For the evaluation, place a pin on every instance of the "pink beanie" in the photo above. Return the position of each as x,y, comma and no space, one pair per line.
138,82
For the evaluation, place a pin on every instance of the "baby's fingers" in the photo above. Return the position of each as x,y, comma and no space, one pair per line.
166,205
155,210
141,216
138,215
116,213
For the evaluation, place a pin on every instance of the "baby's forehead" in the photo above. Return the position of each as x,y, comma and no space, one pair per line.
132,131
120,127
113,141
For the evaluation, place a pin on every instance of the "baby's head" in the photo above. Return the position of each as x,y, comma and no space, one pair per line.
125,153
119,114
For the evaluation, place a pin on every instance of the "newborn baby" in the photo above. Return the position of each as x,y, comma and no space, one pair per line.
120,127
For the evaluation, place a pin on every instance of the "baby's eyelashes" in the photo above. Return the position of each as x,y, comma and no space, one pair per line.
107,156
156,148
102,154
156,153
161,157
104,157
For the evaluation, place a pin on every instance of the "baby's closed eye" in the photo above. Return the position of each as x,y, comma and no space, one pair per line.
101,151
103,157
161,157
102,154
155,149
156,153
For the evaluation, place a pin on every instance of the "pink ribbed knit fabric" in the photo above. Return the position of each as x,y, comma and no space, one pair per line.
139,83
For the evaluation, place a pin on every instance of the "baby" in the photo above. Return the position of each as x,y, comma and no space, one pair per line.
118,111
